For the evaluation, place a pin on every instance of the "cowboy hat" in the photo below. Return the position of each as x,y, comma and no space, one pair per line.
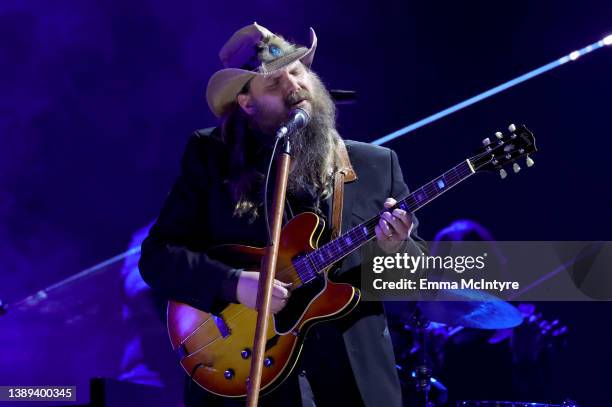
251,51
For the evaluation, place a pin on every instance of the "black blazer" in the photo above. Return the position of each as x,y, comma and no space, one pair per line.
197,214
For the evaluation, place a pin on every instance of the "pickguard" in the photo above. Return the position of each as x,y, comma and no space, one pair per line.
301,297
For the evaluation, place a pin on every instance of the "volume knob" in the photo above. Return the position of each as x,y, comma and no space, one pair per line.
268,362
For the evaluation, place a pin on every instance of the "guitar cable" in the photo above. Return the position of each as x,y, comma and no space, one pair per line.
266,182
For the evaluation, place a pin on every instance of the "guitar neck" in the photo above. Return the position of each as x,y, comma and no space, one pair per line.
356,237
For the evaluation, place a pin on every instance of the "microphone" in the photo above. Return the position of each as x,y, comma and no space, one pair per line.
298,118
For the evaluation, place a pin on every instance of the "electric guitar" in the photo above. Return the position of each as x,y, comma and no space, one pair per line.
216,350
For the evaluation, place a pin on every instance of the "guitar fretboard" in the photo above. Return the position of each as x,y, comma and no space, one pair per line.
351,240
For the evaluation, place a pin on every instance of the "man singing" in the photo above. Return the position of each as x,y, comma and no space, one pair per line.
218,199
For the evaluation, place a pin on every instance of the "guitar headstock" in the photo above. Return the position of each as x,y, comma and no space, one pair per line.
505,149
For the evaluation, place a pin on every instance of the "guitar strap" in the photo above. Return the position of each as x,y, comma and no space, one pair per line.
345,173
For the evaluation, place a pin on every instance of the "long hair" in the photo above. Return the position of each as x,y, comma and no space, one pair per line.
244,180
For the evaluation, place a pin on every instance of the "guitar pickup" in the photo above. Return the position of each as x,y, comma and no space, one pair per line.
222,326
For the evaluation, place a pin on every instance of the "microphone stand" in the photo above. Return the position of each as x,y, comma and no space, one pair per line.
266,276
422,372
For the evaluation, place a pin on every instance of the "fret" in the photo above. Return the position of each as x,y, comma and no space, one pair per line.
305,272
411,202
316,268
335,246
431,190
458,173
326,252
359,237
450,177
420,195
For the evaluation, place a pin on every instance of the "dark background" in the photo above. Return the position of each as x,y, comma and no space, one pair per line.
97,99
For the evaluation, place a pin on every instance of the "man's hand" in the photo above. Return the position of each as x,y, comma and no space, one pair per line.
247,291
393,228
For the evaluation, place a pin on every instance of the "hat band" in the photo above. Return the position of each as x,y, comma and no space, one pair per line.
281,62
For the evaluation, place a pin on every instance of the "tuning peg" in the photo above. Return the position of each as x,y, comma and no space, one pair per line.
502,173
529,161
499,135
486,142
516,168
512,128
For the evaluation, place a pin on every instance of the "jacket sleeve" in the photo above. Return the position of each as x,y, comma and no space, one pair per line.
172,260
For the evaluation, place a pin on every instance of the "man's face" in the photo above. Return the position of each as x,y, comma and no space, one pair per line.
271,97
268,102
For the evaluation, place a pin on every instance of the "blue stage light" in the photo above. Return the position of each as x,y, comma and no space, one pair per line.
554,64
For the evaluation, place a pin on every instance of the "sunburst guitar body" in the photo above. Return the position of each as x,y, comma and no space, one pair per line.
216,350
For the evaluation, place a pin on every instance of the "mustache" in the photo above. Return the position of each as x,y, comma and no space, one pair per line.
297,96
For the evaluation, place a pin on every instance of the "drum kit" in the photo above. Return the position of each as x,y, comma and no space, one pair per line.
460,309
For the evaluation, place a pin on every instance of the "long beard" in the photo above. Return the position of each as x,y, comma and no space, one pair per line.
314,153
314,148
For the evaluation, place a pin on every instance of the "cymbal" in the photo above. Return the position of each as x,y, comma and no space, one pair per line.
470,309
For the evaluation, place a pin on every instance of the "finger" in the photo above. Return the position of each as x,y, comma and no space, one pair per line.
280,292
398,228
389,202
379,234
385,228
403,216
282,283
